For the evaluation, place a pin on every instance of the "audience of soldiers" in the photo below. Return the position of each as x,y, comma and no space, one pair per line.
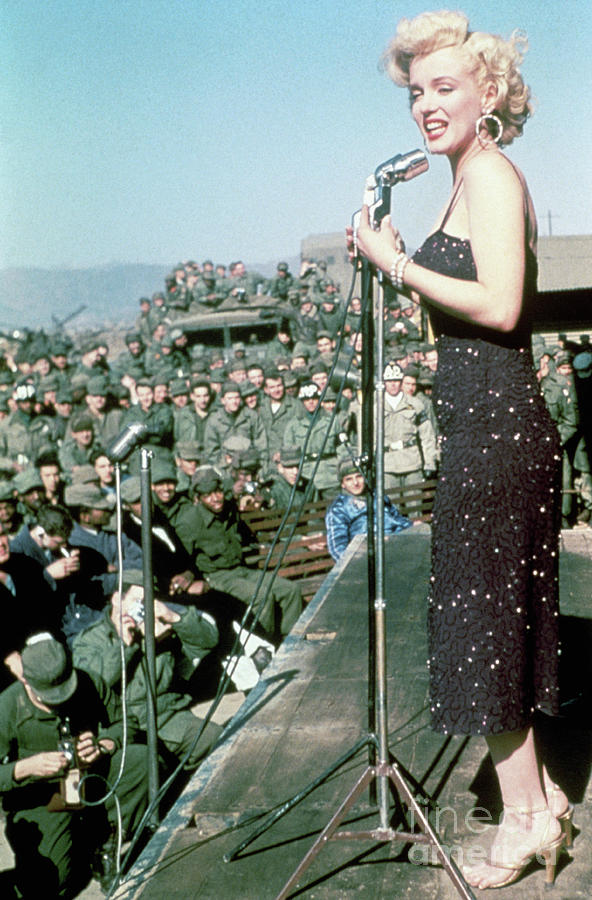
274,424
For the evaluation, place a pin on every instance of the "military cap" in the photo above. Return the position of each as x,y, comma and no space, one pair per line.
238,345
132,578
85,474
318,366
197,351
393,303
393,372
291,379
237,365
302,351
191,450
206,480
64,395
412,346
27,480
229,387
24,391
582,364
48,670
143,300
248,459
87,495
282,267
178,387
163,470
293,294
235,442
176,333
290,457
328,298
48,383
59,348
158,295
133,337
406,303
90,345
346,467
81,422
7,491
309,390
97,386
248,389
412,370
425,379
208,275
272,372
563,357
397,353
131,489
330,394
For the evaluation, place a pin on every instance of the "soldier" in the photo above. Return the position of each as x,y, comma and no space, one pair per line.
53,719
23,433
184,636
330,312
283,481
143,320
188,455
192,419
277,411
106,418
131,361
218,542
232,418
76,450
316,433
410,442
281,284
560,396
157,418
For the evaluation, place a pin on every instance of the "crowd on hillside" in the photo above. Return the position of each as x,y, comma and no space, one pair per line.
264,425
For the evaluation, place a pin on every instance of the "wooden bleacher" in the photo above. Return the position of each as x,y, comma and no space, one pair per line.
305,557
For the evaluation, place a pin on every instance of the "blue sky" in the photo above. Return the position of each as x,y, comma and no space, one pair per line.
148,131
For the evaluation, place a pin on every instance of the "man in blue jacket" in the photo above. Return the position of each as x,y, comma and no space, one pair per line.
347,515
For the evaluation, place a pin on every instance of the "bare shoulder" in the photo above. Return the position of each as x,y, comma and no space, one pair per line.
492,171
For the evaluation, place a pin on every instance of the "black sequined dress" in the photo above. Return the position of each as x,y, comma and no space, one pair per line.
493,602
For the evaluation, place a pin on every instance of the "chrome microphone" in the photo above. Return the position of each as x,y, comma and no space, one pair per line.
377,189
125,442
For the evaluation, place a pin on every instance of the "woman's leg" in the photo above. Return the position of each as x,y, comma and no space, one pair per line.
527,826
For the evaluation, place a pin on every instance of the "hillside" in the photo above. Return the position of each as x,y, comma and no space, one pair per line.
31,297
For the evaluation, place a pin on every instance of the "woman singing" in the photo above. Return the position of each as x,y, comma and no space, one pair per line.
493,603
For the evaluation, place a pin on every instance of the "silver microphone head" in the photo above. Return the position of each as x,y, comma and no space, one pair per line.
403,167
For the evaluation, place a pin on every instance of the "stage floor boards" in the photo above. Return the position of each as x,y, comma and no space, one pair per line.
311,707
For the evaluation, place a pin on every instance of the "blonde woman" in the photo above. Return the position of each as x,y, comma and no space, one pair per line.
493,604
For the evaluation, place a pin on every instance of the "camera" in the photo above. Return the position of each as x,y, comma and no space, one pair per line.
251,487
241,295
136,611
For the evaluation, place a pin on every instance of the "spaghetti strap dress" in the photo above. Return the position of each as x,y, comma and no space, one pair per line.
493,606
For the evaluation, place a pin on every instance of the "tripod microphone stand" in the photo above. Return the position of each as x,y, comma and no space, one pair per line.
384,774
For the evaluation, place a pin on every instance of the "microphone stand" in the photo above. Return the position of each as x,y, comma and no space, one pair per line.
385,771
149,636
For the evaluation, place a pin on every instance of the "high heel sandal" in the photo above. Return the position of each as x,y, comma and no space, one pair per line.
565,818
546,851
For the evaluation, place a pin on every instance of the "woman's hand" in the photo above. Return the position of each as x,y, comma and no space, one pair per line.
379,247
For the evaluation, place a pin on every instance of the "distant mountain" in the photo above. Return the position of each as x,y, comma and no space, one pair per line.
31,298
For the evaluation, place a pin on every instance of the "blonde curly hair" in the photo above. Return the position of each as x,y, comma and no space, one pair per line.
492,59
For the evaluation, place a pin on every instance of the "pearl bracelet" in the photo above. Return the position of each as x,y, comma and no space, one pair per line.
393,268
397,270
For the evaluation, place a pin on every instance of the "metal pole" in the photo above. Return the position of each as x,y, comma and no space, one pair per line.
379,598
149,639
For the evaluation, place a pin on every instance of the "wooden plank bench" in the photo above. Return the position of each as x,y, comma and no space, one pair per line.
306,556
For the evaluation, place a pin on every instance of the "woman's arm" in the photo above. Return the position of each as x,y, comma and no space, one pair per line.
494,200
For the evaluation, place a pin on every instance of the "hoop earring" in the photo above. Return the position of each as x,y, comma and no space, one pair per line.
482,123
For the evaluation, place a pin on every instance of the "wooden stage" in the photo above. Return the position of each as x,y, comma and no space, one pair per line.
311,707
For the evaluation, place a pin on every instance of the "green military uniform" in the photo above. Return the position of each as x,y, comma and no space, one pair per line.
53,849
221,425
158,421
561,402
275,423
321,453
97,650
217,544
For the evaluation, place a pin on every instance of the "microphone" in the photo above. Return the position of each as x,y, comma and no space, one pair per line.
124,443
377,189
